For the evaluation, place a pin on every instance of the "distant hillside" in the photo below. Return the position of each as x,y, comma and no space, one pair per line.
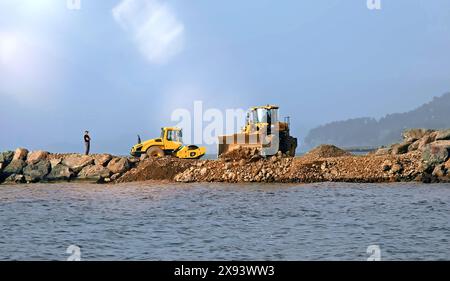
371,132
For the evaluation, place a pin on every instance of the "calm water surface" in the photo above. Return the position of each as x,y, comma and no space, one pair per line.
149,221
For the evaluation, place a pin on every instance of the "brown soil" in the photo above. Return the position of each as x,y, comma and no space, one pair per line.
157,169
240,153
325,151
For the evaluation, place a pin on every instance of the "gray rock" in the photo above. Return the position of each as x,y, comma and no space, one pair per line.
439,171
6,157
414,146
133,160
443,135
94,172
15,167
119,165
20,154
37,172
102,159
55,162
36,156
401,148
60,172
77,162
412,135
15,179
447,164
423,142
115,176
383,151
436,153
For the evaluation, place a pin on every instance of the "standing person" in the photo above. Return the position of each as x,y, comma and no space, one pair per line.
87,142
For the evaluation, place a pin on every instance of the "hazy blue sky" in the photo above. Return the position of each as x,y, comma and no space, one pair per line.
119,68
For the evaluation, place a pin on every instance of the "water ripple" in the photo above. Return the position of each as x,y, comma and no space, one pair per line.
329,221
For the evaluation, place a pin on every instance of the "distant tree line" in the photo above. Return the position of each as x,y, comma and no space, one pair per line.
371,132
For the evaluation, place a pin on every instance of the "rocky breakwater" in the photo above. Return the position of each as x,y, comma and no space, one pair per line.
433,149
324,163
22,166
423,155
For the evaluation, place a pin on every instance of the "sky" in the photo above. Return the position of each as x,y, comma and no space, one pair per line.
121,67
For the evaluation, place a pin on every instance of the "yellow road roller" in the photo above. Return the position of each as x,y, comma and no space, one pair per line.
169,143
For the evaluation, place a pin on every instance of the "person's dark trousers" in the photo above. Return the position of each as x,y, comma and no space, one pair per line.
87,145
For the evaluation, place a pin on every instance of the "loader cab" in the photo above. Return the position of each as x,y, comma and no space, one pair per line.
263,114
261,117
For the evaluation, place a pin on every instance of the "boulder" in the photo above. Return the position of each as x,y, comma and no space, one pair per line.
102,159
20,154
6,157
115,177
14,178
37,172
77,162
441,143
414,146
412,135
55,162
443,135
383,151
400,148
133,160
118,165
426,140
439,171
15,167
436,153
94,172
60,172
36,156
447,165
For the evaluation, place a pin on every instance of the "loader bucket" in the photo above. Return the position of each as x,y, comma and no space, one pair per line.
267,145
231,142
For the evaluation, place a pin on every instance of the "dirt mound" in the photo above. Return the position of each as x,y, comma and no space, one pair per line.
157,169
240,153
326,151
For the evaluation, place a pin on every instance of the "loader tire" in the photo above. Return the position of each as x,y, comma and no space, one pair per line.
293,146
155,152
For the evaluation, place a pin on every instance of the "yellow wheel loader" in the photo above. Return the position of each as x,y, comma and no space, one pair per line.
169,143
263,130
